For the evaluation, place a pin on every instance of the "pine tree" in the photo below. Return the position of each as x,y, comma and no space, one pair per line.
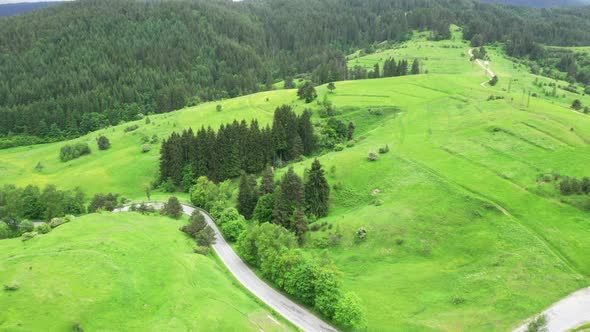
317,191
415,67
247,196
267,186
298,224
289,196
376,72
306,132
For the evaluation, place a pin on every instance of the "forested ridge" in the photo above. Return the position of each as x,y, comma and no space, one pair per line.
77,67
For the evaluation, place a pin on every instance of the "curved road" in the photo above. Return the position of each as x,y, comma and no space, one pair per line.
292,311
568,313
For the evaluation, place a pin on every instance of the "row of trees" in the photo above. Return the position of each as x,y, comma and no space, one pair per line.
312,281
574,186
235,147
73,151
32,203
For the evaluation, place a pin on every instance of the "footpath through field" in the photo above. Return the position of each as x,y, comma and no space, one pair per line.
482,65
292,311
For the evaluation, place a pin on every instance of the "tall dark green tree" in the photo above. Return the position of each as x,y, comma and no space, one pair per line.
288,197
247,195
415,67
317,191
267,186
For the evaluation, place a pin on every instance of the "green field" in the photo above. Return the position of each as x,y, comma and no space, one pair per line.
464,238
125,272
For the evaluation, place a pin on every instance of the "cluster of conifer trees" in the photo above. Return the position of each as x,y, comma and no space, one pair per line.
235,147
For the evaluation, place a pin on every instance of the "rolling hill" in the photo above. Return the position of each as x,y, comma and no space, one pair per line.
464,232
542,3
121,272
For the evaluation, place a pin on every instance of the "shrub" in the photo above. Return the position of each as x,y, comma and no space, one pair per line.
73,151
107,202
218,108
339,147
201,250
384,149
361,233
11,287
25,226
131,128
103,143
145,148
198,229
457,300
587,90
349,144
56,222
349,312
43,228
68,218
168,186
373,156
577,104
494,80
172,208
28,235
539,324
4,230
233,228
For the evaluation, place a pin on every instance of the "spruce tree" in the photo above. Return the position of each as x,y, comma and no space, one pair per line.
376,72
306,132
299,224
415,67
317,191
267,186
289,196
247,196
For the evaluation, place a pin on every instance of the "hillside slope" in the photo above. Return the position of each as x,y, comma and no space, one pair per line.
121,272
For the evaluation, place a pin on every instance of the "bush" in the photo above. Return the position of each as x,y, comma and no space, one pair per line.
201,250
56,222
361,233
373,156
73,151
168,186
131,128
539,324
384,149
28,235
577,104
232,229
68,218
199,230
25,226
145,148
349,312
349,144
4,231
339,147
587,90
107,202
11,287
103,143
43,228
172,208
494,81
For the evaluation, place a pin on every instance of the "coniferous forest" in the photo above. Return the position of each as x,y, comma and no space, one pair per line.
225,153
77,67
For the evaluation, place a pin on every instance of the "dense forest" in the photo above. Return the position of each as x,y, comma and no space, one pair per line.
76,67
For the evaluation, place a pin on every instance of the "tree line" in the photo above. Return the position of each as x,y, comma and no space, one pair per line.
226,153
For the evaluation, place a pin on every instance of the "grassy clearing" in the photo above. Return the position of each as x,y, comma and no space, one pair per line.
464,238
123,272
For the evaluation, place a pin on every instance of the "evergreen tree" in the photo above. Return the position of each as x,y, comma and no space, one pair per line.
415,67
306,132
331,87
247,195
376,72
350,131
298,224
307,92
267,186
288,197
317,191
103,143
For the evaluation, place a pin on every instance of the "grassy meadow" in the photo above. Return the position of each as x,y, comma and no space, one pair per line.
126,272
462,236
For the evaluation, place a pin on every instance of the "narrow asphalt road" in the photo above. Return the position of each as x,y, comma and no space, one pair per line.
482,65
292,311
567,314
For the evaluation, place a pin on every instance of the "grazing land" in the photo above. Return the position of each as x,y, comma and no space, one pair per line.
461,234
121,272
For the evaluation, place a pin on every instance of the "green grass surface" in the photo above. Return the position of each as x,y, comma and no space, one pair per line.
125,272
465,238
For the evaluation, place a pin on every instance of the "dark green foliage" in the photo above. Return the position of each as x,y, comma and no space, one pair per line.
130,128
539,324
44,228
247,195
577,104
307,92
415,67
288,198
317,191
73,151
574,186
384,149
106,202
172,208
494,81
198,229
225,154
331,87
349,312
267,186
298,224
263,211
103,143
